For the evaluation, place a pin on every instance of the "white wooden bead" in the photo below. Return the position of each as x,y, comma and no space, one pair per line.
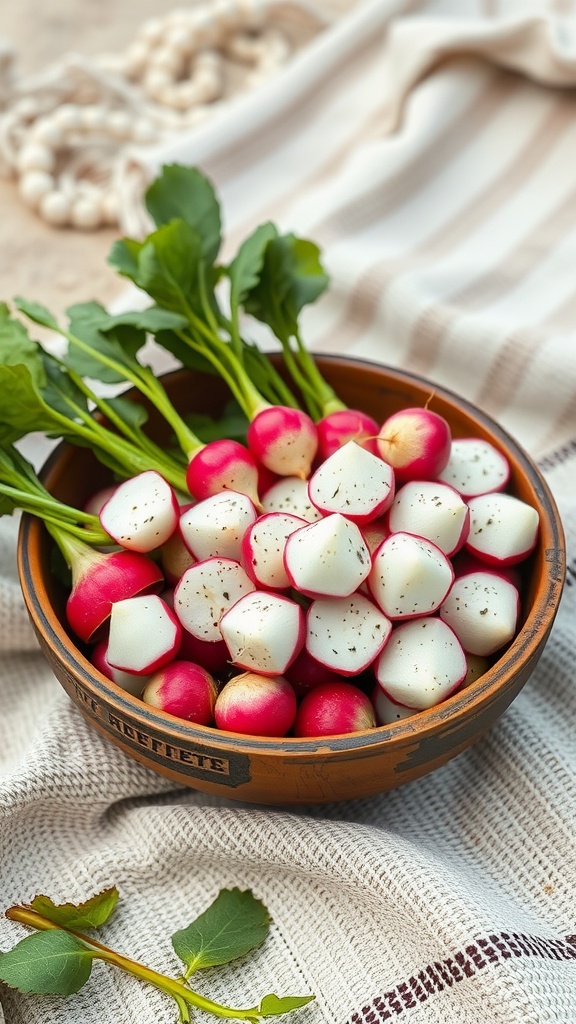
68,116
166,59
226,13
152,30
35,156
180,38
46,131
55,208
119,123
144,131
86,213
156,81
34,185
136,57
204,26
109,208
252,13
94,117
27,108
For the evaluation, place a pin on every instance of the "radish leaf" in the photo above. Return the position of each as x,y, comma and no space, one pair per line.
47,963
273,1006
184,193
91,914
233,924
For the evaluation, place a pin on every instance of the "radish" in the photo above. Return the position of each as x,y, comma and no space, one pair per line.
475,467
97,500
328,558
410,576
263,549
206,591
503,529
144,634
333,709
347,633
305,672
343,425
387,711
126,680
210,654
422,663
465,562
476,667
375,532
215,526
284,440
184,690
263,632
482,609
101,579
142,513
416,443
256,705
291,495
175,558
223,465
431,510
354,483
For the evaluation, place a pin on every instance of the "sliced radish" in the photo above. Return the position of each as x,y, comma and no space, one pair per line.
431,510
144,634
96,501
142,513
482,609
465,562
354,483
175,558
184,690
290,495
126,680
422,663
416,442
387,711
100,579
336,428
410,576
263,548
346,633
256,705
503,529
263,632
215,527
206,591
475,467
332,709
328,558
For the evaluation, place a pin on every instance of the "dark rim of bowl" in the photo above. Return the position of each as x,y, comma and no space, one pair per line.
524,647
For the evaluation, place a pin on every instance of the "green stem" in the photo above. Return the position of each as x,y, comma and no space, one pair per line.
25,915
325,394
51,505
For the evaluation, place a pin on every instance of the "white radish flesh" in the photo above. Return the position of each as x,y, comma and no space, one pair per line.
482,609
346,633
387,711
353,482
422,663
263,547
291,495
503,529
144,635
142,513
175,558
206,591
263,632
410,576
327,559
433,511
215,527
125,680
475,467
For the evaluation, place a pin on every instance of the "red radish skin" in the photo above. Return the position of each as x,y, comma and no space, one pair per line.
354,483
211,655
144,635
263,632
99,580
503,529
206,591
223,465
305,673
343,425
126,680
284,440
263,547
475,467
416,442
334,709
142,513
256,705
184,690
431,510
465,562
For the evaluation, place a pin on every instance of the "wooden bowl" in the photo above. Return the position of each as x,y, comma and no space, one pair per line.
290,770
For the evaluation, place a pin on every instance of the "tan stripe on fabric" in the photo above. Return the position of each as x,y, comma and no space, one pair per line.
517,354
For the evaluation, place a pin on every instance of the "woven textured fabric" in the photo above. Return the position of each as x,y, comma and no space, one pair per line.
428,147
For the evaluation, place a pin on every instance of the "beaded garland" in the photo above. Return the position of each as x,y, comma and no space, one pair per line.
63,133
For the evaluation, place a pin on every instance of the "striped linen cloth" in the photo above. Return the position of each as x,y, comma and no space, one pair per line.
429,149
